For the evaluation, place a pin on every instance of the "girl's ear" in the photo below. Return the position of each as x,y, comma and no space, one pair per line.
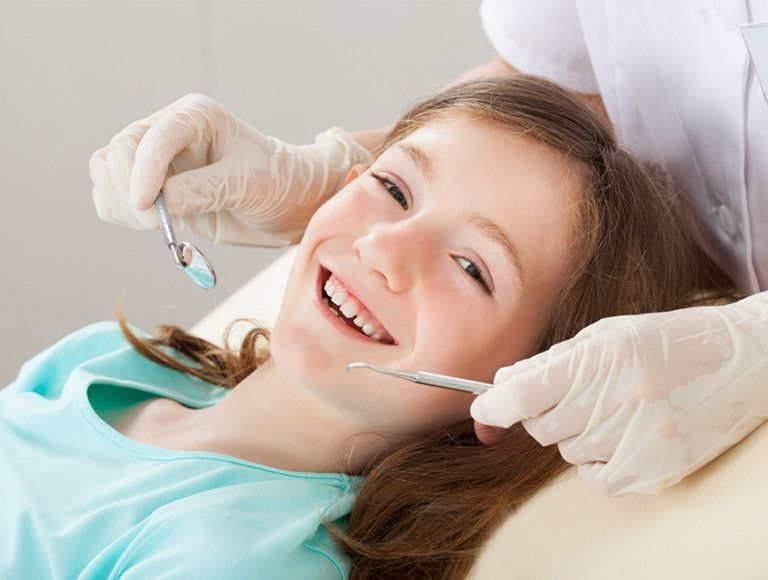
354,172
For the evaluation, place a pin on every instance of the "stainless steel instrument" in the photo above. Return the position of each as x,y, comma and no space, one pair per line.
431,379
187,256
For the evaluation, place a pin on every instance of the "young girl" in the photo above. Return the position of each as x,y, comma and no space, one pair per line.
500,217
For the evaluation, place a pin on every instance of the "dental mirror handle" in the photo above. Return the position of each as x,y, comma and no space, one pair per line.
166,225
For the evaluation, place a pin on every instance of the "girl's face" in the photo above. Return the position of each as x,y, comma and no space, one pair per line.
450,247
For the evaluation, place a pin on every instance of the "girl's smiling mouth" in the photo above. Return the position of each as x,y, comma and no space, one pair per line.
347,312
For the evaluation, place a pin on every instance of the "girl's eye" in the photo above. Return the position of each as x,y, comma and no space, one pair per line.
467,265
393,190
474,272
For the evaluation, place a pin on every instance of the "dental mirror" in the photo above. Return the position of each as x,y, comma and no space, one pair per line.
187,256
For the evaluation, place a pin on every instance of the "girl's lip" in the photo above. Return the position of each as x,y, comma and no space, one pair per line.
336,320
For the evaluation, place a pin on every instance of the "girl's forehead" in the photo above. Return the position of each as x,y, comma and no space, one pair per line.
481,151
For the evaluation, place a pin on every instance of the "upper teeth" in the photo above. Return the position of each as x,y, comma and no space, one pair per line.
351,307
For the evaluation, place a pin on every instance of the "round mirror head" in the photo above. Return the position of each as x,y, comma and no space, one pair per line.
196,266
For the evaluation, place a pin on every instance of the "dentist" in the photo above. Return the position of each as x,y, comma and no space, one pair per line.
637,402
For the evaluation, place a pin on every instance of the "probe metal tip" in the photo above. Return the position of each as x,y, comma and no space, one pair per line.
357,365
409,376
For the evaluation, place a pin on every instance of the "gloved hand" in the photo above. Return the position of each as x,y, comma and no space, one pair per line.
225,180
639,402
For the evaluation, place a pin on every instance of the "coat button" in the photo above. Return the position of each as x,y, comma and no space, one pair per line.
727,221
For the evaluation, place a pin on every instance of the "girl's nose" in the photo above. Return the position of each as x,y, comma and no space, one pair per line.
396,251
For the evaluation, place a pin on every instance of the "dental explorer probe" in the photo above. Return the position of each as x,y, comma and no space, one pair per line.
431,379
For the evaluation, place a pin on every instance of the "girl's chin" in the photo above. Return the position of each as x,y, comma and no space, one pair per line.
301,357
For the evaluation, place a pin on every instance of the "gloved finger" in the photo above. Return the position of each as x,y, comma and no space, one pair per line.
121,154
640,460
586,335
198,191
535,361
596,475
538,389
140,220
560,423
591,474
109,206
592,406
161,143
504,374
101,196
583,449
104,197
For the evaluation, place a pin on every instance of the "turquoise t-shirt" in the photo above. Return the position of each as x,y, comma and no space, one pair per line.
80,500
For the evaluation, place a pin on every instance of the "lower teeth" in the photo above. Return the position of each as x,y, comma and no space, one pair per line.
347,320
336,312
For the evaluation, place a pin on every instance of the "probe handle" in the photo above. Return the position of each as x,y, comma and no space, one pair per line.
447,382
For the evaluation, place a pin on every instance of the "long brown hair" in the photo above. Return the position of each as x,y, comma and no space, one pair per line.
425,510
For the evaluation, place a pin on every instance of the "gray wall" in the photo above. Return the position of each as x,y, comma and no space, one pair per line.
72,74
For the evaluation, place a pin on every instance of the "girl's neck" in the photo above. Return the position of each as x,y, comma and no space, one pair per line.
268,421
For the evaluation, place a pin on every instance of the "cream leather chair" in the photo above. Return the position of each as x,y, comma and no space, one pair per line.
711,525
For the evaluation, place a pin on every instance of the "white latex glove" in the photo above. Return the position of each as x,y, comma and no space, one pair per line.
222,179
639,402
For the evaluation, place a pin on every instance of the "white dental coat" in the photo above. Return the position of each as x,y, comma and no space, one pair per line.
679,87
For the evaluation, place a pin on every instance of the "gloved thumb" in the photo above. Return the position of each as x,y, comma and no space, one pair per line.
499,406
529,387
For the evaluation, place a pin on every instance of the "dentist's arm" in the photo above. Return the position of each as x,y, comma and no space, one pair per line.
222,178
639,402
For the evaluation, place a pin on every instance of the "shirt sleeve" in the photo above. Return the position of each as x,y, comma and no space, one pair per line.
47,372
223,544
541,38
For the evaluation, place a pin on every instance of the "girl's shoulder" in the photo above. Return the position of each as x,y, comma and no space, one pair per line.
57,361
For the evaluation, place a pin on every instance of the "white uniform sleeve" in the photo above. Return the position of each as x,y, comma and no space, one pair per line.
541,38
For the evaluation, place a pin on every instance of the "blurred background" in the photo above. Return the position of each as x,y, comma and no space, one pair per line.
74,73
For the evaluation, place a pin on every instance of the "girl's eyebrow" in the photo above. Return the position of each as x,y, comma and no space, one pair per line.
493,231
485,225
420,159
